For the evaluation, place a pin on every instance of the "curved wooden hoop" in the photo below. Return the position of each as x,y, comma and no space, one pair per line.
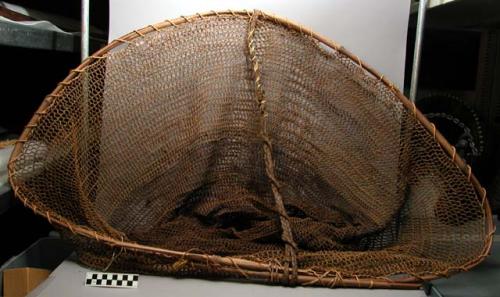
252,268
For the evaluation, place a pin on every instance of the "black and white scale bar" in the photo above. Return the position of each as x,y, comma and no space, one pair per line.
112,280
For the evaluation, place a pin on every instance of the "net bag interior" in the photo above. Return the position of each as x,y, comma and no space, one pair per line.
241,145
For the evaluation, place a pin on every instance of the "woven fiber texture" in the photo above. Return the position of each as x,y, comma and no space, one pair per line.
241,145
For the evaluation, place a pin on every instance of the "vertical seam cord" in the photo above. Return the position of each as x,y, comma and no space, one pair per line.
286,236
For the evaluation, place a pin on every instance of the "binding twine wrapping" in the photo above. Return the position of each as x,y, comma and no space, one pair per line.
290,245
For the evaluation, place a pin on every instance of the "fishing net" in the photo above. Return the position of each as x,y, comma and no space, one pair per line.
242,145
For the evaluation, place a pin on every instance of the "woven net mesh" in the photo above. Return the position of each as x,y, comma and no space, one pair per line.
162,141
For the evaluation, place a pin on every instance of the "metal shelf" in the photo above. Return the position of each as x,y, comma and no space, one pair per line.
431,4
18,35
460,14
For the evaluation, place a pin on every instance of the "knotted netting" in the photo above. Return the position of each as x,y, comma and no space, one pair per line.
241,145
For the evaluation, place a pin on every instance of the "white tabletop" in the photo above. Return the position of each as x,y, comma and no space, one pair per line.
68,280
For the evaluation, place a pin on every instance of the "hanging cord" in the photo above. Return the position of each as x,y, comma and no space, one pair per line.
286,236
